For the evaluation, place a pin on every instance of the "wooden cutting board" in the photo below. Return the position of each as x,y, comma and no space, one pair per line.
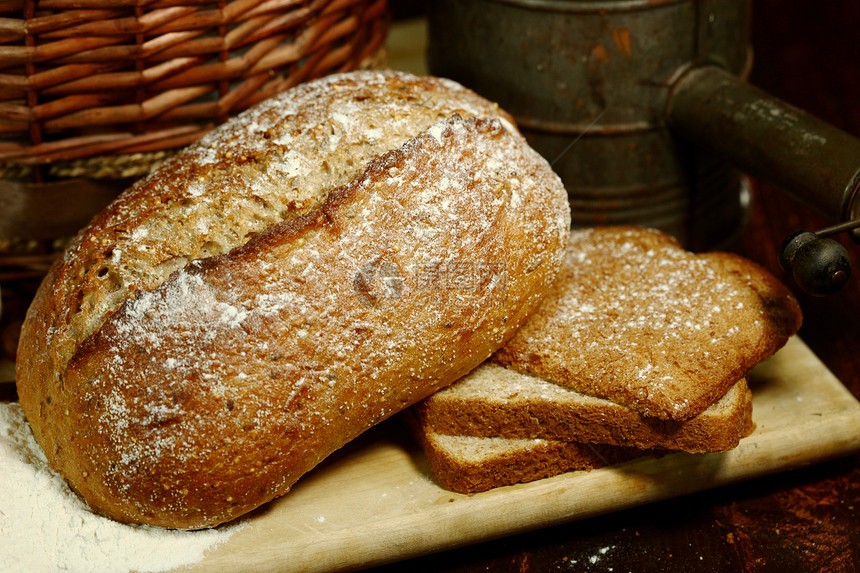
375,501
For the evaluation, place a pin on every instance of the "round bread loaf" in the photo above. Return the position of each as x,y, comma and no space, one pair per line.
310,268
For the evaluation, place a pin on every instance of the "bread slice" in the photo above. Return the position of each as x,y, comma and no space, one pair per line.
639,346
493,401
636,319
469,464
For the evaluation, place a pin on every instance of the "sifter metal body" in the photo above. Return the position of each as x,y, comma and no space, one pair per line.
643,109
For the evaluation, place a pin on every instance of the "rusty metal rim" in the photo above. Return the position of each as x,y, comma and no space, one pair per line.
589,6
635,193
561,127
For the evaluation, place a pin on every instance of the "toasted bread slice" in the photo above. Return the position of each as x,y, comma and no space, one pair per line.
493,401
636,319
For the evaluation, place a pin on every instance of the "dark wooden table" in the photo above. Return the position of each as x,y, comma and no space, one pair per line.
803,520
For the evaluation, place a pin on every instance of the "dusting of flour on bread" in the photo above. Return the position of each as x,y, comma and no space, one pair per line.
273,162
635,318
232,320
192,315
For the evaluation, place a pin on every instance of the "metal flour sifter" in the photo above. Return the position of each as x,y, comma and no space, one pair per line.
643,108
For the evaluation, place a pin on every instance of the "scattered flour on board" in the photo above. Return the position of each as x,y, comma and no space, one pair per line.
44,526
592,560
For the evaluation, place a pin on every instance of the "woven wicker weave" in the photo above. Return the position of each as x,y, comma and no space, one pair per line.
83,78
95,93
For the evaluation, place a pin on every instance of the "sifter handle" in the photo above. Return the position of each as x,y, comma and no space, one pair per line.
810,159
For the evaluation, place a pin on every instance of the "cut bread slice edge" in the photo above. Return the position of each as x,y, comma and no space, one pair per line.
470,464
494,401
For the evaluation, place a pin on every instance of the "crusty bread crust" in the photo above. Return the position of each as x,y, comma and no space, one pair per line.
492,401
636,319
274,162
188,401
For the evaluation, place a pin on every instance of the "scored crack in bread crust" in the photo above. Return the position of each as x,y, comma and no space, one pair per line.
636,319
492,401
202,396
271,163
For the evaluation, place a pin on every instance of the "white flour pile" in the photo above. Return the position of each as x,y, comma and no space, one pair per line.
44,526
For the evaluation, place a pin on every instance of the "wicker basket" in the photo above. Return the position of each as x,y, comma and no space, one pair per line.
84,78
94,93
